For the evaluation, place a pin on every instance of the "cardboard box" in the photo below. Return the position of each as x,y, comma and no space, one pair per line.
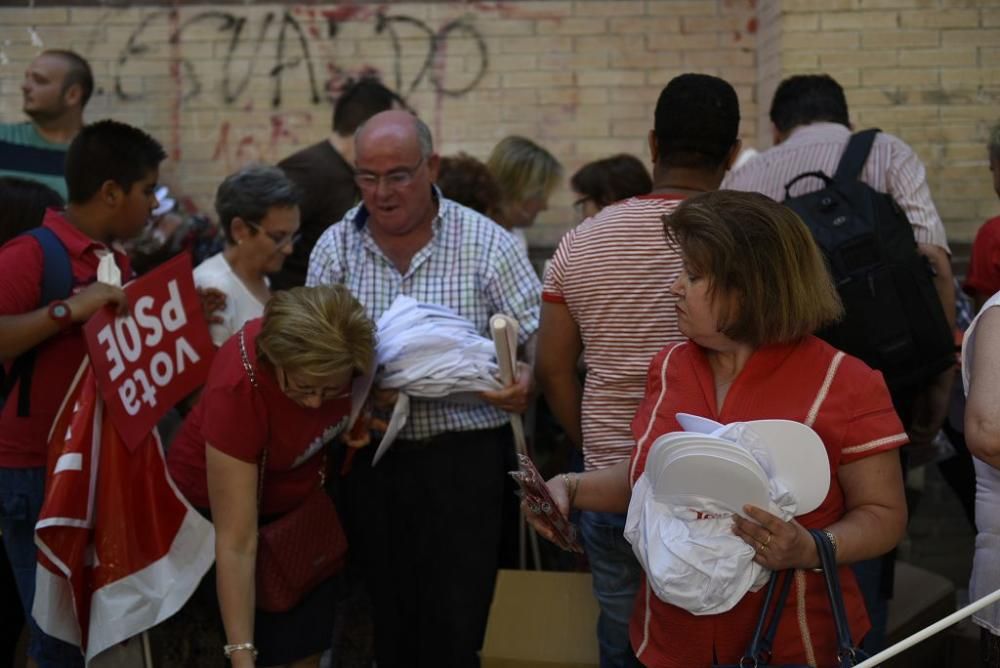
542,620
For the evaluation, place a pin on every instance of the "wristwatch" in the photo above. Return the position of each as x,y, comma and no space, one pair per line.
61,313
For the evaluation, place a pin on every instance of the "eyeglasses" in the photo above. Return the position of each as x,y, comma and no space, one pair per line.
280,240
295,391
397,179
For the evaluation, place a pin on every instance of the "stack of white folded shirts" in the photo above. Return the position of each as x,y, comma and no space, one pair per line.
429,351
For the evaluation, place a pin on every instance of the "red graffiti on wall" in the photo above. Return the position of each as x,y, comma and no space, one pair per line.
236,147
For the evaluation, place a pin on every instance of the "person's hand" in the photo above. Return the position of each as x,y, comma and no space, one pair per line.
516,397
779,545
560,495
360,435
213,300
383,401
243,660
94,297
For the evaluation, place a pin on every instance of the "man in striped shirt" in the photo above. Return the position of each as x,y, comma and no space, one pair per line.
811,130
429,515
56,88
606,295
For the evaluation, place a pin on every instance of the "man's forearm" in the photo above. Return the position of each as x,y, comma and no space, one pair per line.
944,280
564,395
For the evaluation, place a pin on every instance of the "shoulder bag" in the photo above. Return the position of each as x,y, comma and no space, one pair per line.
300,549
759,652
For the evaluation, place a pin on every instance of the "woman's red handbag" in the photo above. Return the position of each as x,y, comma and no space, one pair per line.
300,549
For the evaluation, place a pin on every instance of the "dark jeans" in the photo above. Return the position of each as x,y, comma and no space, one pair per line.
617,576
22,492
430,539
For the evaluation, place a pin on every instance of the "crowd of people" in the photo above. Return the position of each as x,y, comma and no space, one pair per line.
687,288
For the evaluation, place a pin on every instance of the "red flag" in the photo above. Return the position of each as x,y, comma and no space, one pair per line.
120,549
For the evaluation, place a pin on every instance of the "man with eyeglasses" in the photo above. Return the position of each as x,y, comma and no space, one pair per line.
258,209
430,512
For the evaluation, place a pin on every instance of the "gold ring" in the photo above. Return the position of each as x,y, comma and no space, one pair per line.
769,537
761,547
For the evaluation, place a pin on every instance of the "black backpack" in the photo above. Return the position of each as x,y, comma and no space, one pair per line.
893,318
57,283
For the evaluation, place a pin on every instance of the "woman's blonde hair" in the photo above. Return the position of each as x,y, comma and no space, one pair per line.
760,260
318,332
523,169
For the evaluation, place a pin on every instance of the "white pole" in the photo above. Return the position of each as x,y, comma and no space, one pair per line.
933,629
147,652
504,330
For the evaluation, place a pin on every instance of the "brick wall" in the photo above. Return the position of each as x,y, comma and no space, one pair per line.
579,77
925,70
247,81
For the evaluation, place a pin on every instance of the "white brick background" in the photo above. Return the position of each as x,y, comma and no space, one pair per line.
248,81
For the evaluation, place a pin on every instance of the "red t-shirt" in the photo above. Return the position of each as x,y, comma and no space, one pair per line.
24,440
847,404
984,262
242,421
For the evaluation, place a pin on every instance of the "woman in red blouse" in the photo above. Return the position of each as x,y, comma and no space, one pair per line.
753,290
282,385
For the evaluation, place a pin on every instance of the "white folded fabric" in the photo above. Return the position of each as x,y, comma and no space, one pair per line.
689,552
429,351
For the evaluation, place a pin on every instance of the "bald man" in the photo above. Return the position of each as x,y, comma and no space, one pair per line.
429,515
57,86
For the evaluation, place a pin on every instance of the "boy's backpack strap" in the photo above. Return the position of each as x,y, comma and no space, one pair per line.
855,156
57,283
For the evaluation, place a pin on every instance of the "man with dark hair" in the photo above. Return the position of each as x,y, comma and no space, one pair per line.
811,130
111,171
56,88
605,297
324,172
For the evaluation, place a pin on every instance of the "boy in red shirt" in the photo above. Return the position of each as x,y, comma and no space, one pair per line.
111,174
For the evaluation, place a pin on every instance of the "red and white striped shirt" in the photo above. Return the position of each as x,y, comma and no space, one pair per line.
614,272
892,168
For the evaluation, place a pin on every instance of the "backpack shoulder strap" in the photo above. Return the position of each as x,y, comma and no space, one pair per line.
57,272
855,156
57,283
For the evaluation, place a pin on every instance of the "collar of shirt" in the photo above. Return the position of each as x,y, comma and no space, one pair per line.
77,243
360,225
817,132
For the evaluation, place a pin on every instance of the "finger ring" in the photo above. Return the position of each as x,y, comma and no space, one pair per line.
769,537
761,547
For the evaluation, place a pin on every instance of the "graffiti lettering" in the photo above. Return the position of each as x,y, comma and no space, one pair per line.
294,52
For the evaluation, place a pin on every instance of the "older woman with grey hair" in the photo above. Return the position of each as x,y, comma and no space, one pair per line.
258,208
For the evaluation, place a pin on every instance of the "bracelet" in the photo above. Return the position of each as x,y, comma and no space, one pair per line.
229,650
572,486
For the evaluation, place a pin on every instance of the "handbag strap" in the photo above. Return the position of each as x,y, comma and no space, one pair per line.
846,653
252,375
762,641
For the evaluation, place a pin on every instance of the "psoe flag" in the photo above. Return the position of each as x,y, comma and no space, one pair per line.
120,549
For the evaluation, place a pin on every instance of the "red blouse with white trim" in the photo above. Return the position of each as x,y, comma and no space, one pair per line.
848,405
